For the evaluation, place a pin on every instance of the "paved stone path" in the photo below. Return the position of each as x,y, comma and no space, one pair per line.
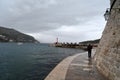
82,68
77,67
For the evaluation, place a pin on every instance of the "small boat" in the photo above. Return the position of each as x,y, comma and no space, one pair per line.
19,43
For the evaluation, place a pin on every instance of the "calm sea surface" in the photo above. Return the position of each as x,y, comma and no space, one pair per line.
30,61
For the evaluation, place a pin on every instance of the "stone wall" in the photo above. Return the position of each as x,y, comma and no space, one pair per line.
107,57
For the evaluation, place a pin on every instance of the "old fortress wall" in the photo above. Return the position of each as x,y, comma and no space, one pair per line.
107,56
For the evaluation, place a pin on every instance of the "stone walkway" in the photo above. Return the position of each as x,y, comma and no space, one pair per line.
77,67
82,68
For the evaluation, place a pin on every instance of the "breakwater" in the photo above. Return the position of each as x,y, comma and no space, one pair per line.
73,45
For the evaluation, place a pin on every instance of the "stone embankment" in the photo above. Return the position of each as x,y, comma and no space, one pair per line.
107,56
76,67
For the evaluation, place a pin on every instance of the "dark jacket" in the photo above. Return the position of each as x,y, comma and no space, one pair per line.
89,47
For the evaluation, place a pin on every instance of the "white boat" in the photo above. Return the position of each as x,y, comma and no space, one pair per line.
19,43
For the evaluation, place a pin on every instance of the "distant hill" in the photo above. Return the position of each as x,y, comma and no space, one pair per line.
90,42
11,35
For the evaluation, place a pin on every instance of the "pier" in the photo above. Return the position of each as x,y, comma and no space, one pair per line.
73,45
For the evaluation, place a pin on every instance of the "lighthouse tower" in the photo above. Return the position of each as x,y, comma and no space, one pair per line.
56,41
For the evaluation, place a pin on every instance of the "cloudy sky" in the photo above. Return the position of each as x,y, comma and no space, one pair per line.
69,20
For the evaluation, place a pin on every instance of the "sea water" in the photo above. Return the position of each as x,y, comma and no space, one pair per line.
30,61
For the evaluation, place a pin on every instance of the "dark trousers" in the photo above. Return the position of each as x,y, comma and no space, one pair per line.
89,53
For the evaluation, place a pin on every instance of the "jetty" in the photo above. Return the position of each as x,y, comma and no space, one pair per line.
82,46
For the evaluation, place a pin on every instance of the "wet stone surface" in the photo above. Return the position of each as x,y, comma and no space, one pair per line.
83,68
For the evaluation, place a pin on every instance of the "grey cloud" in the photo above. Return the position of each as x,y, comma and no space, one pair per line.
24,6
62,35
37,14
33,16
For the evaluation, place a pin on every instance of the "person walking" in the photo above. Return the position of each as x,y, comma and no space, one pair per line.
89,48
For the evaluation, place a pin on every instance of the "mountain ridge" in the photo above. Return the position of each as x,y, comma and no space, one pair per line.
12,35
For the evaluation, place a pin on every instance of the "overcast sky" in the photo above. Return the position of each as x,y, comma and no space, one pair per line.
69,20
